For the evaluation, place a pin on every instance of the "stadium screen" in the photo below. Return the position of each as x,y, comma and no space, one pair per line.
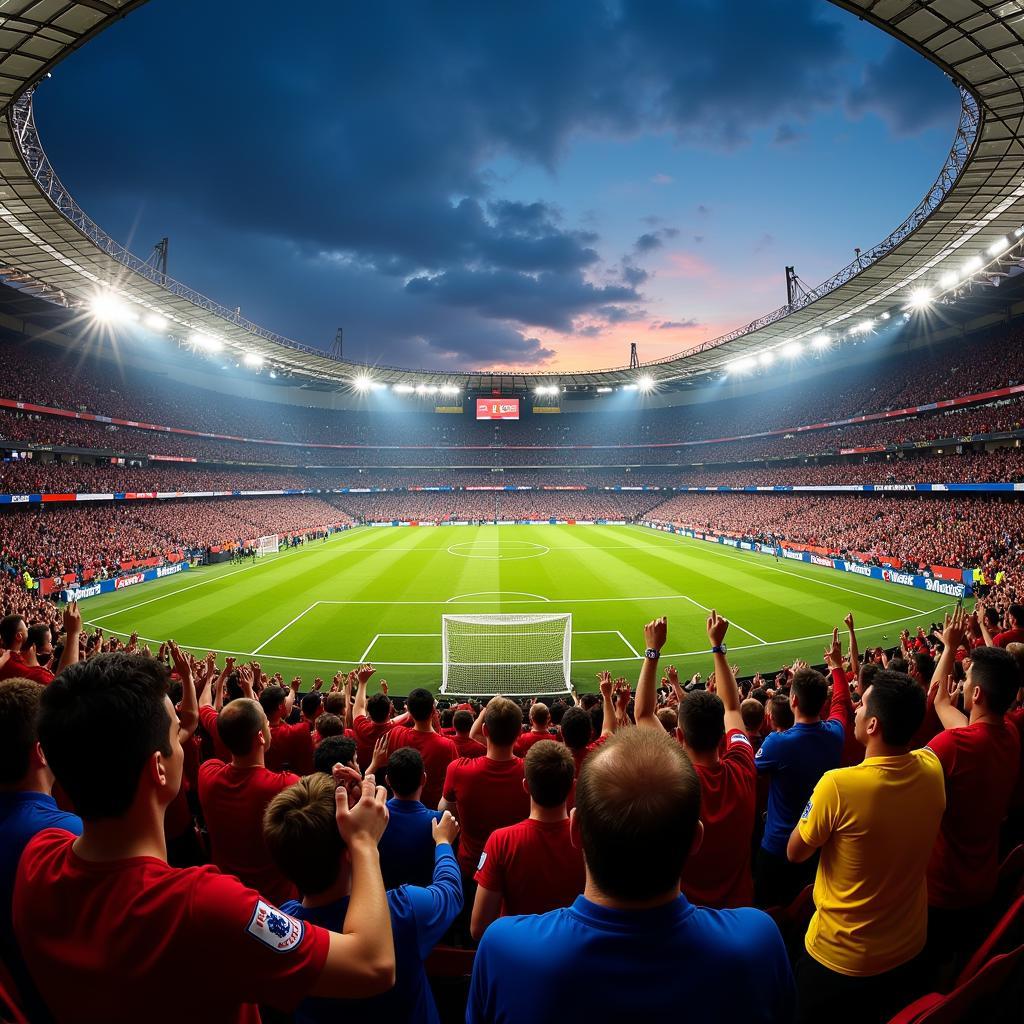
497,408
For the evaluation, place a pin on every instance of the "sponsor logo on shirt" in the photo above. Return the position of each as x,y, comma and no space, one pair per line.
483,858
274,928
807,812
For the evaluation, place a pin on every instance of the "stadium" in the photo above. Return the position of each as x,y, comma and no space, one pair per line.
347,573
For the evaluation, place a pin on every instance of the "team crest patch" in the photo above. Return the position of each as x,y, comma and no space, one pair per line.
483,858
807,812
274,928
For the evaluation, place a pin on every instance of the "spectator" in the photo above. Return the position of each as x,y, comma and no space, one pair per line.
437,751
1014,633
111,736
462,722
875,825
303,838
780,713
26,809
407,846
371,716
234,796
291,746
336,750
532,867
636,819
795,760
753,714
540,722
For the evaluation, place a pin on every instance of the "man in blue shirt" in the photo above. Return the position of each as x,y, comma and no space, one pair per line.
26,808
795,760
657,956
300,832
407,846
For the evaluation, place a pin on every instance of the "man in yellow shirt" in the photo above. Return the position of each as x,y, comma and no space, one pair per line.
875,825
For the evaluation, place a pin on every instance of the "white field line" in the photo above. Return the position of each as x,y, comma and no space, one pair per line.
582,661
369,647
484,593
636,653
274,636
809,579
731,622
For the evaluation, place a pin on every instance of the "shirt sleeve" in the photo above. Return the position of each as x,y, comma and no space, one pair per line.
450,775
821,814
264,954
766,758
943,747
842,706
435,907
208,720
490,871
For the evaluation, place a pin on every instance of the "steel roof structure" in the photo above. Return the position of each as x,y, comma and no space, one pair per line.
969,226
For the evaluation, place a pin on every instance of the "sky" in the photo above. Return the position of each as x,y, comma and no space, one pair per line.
531,184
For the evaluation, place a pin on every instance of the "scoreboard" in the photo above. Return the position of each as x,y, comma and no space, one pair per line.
497,408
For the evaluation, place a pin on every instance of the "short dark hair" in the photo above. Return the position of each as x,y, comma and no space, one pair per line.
898,703
637,805
330,725
924,666
420,704
549,770
463,722
995,671
19,719
271,699
378,707
576,728
702,720
9,629
301,833
781,712
868,671
503,719
811,691
312,703
335,703
752,712
238,725
1016,611
100,722
333,750
405,771
38,635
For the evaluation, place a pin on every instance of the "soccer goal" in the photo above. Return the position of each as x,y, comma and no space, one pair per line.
509,654
267,545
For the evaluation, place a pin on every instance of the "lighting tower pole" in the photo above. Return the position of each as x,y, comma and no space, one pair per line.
634,359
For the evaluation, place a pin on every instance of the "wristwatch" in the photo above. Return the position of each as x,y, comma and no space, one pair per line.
652,654
718,649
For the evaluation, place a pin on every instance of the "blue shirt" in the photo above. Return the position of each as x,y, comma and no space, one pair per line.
22,815
407,846
419,917
796,760
668,964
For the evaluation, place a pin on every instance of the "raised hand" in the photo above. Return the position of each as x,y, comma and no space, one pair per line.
360,805
605,684
848,621
954,628
834,653
656,633
380,756
363,673
384,687
72,619
445,830
717,628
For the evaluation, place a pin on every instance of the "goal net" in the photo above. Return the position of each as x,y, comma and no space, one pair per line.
509,654
267,545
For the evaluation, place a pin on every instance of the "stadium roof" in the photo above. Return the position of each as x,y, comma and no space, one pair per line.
968,227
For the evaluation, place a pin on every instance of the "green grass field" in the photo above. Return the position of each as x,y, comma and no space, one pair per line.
378,594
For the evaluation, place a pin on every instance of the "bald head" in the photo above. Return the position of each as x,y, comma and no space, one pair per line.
540,716
637,811
239,723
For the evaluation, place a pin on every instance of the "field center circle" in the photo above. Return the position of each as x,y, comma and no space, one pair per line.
497,552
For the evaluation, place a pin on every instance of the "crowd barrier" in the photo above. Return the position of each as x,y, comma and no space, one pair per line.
933,583
92,589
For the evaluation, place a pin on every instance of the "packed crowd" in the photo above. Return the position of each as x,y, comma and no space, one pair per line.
594,857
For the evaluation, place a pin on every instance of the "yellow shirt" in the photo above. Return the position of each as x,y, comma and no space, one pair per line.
876,825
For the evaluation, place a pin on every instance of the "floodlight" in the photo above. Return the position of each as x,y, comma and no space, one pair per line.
973,264
630,387
605,390
822,341
766,358
109,309
362,383
949,279
403,389
792,350
206,342
885,315
645,383
998,246
156,322
253,359
863,327
450,389
920,298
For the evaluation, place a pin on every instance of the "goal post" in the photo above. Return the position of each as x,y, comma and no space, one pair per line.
509,654
267,545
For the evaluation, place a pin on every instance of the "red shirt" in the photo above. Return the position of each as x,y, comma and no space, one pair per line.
467,747
120,942
367,732
290,746
533,865
489,795
17,668
437,753
1016,719
527,740
208,720
1008,636
233,801
718,874
981,763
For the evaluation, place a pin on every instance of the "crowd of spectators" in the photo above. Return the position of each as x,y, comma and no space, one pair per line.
591,856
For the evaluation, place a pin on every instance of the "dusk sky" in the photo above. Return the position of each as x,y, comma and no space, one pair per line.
527,184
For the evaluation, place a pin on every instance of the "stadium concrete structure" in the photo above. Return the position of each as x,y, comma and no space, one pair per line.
967,232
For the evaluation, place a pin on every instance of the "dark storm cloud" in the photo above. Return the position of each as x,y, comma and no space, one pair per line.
361,137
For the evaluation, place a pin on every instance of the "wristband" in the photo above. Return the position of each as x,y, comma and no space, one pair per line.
651,654
718,649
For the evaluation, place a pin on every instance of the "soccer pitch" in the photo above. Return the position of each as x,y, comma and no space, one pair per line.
378,594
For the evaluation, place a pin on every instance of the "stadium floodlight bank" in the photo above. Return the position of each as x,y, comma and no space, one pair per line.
484,655
267,545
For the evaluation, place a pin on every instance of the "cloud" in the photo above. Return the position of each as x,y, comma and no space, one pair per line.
647,242
766,241
674,325
786,134
662,179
